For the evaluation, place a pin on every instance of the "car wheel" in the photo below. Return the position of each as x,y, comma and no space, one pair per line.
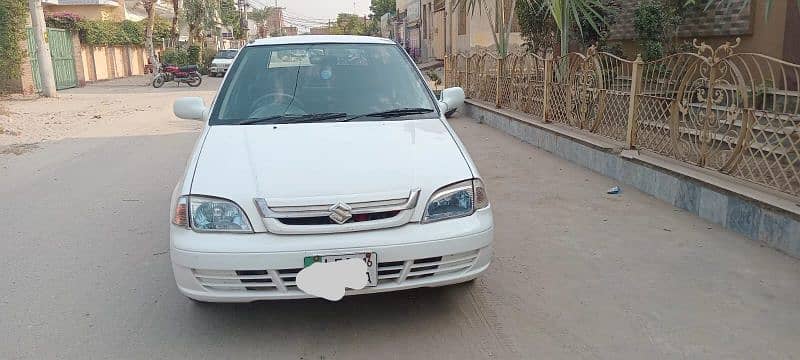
213,74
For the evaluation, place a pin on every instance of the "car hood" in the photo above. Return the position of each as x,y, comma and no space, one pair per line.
324,163
222,61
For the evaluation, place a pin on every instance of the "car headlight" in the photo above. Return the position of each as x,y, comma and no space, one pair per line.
456,200
207,214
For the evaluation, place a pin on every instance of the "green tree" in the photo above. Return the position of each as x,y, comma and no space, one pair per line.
350,24
564,12
231,17
380,7
148,33
228,13
541,32
260,17
176,14
200,16
12,31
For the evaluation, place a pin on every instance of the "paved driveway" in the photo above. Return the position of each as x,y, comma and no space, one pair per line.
577,273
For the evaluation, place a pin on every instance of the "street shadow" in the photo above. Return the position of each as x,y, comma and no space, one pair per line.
141,84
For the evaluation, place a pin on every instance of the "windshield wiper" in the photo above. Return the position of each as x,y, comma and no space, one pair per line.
294,119
392,113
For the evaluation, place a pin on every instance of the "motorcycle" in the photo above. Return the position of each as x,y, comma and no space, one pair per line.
181,74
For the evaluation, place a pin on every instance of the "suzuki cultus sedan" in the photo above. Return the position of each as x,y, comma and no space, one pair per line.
318,149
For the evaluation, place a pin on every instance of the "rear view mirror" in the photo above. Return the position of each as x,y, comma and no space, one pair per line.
452,99
189,108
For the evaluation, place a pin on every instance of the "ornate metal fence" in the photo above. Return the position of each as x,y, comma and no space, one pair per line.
738,114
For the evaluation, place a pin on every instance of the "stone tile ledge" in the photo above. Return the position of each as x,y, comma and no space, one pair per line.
757,212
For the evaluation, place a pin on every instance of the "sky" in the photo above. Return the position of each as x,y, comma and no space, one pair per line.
304,13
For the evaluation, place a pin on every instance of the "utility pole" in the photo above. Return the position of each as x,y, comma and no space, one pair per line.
243,18
42,49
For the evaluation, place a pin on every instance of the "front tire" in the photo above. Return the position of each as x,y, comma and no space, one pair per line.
195,80
158,81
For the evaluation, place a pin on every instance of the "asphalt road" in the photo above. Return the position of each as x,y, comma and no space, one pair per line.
578,274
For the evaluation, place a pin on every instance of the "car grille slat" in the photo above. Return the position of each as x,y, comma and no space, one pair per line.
283,280
337,217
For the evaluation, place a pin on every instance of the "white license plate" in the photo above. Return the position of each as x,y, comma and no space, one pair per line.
371,259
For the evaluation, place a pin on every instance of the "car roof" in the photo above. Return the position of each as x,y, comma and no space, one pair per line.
320,39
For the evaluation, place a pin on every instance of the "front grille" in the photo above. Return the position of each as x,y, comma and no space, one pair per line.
326,220
284,280
337,217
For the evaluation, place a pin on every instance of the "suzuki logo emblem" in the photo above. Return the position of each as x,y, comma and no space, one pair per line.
340,213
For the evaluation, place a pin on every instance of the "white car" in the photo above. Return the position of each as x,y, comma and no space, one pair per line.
222,61
318,149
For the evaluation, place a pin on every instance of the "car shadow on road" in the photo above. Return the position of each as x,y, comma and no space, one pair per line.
392,307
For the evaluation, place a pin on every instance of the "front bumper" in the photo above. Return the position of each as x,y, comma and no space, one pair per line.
218,69
251,267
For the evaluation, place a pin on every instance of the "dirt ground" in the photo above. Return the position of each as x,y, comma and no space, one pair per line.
105,108
577,273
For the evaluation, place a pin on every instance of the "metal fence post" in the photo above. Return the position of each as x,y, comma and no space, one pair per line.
447,67
500,62
633,104
548,80
466,77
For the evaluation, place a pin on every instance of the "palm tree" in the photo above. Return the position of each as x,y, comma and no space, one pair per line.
176,9
563,12
148,34
260,16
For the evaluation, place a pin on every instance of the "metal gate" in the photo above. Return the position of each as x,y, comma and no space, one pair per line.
60,42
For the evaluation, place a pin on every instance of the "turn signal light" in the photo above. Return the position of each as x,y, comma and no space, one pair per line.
181,215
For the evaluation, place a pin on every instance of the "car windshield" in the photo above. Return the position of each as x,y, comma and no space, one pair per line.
226,54
322,82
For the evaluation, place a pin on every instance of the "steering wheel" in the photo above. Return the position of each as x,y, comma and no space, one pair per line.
262,101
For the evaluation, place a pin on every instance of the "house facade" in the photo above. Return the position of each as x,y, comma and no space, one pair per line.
776,35
438,27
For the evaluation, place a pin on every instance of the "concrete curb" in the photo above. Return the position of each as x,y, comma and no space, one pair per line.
759,214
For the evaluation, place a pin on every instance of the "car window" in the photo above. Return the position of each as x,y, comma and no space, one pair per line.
293,80
226,54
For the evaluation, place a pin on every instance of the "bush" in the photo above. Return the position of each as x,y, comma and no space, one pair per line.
175,56
63,20
208,57
656,23
194,54
12,32
126,32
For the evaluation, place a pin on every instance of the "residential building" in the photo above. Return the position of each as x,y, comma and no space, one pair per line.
274,22
776,35
319,30
110,10
387,26
436,28
408,12
289,30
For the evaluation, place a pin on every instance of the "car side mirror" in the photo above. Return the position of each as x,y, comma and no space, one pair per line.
452,99
189,108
